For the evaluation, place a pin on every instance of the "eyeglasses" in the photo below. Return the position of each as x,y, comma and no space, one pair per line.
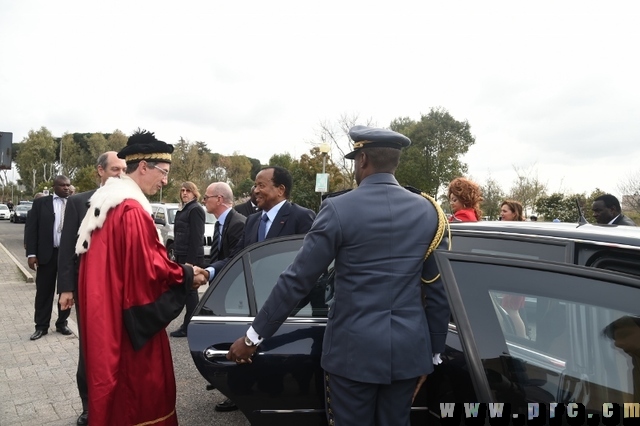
185,190
206,197
164,172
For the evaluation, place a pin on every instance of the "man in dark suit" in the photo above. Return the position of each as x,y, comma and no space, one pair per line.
606,210
250,206
108,165
218,199
44,227
230,223
379,235
279,217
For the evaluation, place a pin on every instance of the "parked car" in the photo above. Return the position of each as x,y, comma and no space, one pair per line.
5,213
20,213
575,282
164,215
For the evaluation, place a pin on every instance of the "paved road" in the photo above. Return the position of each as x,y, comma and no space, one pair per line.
37,379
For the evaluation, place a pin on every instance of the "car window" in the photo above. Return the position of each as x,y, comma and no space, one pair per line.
505,246
172,215
268,262
229,297
575,344
265,264
158,213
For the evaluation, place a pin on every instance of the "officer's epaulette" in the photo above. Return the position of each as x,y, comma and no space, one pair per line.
412,189
335,194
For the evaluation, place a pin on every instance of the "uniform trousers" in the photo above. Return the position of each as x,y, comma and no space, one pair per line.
351,403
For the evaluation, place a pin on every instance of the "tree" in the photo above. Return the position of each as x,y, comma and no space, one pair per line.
75,154
630,190
527,188
37,158
438,142
238,169
558,206
493,196
304,171
116,141
190,161
337,136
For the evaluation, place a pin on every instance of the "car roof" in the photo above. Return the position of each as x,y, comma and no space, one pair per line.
4,205
627,235
168,205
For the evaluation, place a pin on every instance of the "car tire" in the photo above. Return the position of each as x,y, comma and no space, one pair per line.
171,254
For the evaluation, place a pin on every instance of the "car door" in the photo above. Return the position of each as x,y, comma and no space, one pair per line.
284,384
575,317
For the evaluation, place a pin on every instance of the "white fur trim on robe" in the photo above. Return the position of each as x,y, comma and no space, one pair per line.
114,192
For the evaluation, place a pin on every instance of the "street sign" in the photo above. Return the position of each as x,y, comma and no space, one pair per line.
322,182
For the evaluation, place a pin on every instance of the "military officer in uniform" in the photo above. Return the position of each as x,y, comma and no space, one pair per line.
379,235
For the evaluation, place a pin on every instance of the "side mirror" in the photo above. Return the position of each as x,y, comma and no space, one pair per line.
159,221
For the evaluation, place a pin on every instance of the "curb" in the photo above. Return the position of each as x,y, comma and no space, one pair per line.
29,279
27,275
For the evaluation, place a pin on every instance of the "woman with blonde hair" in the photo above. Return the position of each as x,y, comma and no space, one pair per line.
465,197
188,243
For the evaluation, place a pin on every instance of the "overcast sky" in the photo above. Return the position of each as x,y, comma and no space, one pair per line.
548,87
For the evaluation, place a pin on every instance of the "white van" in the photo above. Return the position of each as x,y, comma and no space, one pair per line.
164,215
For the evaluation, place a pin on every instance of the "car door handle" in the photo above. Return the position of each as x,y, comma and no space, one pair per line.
218,356
215,355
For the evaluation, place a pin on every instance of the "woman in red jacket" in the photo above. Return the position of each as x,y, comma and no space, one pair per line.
464,197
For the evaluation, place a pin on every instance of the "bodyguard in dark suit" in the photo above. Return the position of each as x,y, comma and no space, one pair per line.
44,227
279,217
250,206
378,341
108,165
606,210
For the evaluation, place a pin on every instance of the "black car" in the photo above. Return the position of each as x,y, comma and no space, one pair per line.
20,213
565,351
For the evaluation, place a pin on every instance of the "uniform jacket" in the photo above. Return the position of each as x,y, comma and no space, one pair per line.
246,209
377,331
188,230
291,219
231,234
40,221
67,259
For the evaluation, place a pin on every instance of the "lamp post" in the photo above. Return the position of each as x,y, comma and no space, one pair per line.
324,149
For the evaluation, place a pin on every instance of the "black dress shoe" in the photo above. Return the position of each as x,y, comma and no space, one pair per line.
181,332
226,405
66,331
83,419
38,334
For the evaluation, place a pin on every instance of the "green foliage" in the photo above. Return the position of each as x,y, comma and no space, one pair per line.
564,207
86,179
36,158
493,196
243,189
190,161
527,189
438,142
304,173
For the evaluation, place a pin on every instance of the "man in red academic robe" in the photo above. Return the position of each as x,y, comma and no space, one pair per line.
131,292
